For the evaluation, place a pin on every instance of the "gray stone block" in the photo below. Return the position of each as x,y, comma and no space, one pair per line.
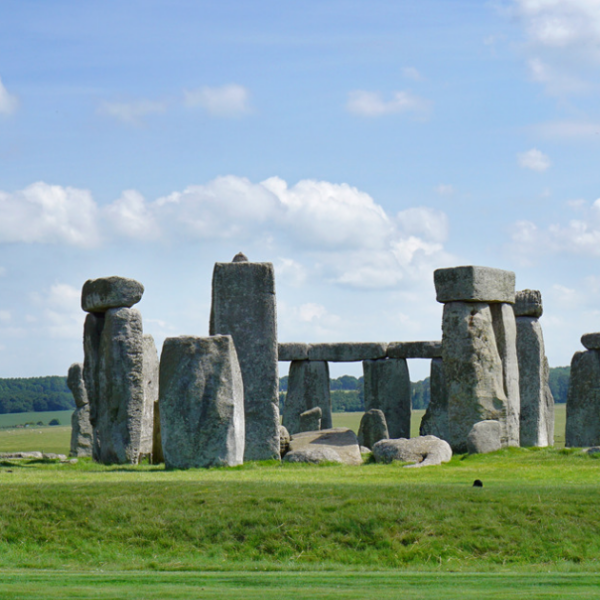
284,440
92,333
591,341
98,295
243,306
528,303
308,387
484,437
81,428
373,428
347,351
387,387
474,284
414,350
201,403
292,351
583,401
328,445
421,451
76,384
435,419
150,380
310,420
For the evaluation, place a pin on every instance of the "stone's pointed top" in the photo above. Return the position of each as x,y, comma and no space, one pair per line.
98,295
528,303
591,341
474,284
240,257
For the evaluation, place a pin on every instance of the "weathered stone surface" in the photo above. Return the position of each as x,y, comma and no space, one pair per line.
310,420
292,351
387,387
435,419
472,370
243,306
120,399
591,341
484,437
284,440
150,379
583,400
414,350
81,428
474,284
308,387
240,257
328,445
92,332
76,384
98,295
423,451
528,303
201,403
505,331
537,403
347,351
373,428
25,455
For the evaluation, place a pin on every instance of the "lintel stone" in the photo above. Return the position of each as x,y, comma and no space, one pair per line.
292,351
591,341
474,284
347,351
528,303
98,295
414,350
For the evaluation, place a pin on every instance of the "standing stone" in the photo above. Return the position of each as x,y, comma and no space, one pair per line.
201,403
92,332
308,387
435,419
310,420
150,378
387,387
81,428
583,400
484,437
243,306
373,428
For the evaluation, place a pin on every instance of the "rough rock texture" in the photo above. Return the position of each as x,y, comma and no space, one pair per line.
591,341
472,370
284,440
373,428
150,379
537,403
98,295
201,403
435,419
81,428
76,384
422,451
243,306
328,445
119,405
308,387
484,437
474,284
310,420
387,387
240,257
414,350
528,303
92,332
583,400
347,351
293,351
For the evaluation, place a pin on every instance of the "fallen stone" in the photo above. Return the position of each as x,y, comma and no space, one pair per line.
201,403
373,428
98,295
292,351
592,450
484,437
422,451
324,445
365,450
347,351
474,284
414,350
21,455
583,401
528,303
435,419
310,420
150,381
243,306
591,341
52,456
284,440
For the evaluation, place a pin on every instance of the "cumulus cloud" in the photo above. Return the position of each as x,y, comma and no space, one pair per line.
372,104
130,216
227,101
8,102
132,113
534,159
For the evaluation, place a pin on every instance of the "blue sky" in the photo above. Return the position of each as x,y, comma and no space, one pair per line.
356,145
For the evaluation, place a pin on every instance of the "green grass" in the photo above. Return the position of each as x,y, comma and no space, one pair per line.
12,419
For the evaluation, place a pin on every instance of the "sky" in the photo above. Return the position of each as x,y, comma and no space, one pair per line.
357,145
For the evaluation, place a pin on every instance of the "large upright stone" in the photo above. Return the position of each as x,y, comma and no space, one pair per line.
373,428
387,387
474,284
92,333
150,378
310,420
435,419
81,428
201,402
308,387
98,295
583,400
243,306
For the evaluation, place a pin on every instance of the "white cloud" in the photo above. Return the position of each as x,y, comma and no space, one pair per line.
372,104
43,213
8,102
569,130
226,101
534,159
130,216
132,113
290,271
61,310
445,189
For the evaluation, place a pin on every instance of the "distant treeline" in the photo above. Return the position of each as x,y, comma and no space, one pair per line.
35,394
